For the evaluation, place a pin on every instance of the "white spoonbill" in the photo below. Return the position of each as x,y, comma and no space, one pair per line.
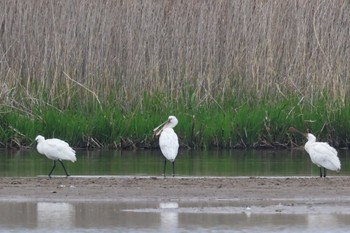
55,149
321,153
168,141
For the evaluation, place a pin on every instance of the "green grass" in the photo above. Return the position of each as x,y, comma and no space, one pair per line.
229,125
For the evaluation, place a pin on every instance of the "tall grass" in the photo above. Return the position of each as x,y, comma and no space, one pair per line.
239,125
134,61
218,49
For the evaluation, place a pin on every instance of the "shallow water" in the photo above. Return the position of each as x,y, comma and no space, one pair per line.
172,216
222,216
188,163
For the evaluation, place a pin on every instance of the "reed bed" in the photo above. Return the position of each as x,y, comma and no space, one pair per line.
236,73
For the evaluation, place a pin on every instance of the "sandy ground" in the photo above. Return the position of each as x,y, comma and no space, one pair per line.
332,190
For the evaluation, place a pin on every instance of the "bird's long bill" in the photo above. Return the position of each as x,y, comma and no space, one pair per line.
156,130
294,130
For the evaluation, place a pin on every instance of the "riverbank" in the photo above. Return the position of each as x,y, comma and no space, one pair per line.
230,126
288,192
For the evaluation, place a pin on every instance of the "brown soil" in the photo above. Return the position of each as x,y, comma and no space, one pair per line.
260,189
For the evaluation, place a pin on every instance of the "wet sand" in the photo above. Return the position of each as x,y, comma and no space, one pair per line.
259,190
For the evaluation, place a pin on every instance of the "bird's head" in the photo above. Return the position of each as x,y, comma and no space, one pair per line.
39,138
170,123
311,138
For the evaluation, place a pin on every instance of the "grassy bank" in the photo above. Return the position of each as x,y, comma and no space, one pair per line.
231,125
236,73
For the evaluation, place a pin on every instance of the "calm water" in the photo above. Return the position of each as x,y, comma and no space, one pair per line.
214,216
188,163
159,217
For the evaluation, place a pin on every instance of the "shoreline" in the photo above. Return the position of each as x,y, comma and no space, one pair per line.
303,190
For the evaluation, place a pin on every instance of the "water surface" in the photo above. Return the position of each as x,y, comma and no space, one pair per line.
188,163
159,217
172,216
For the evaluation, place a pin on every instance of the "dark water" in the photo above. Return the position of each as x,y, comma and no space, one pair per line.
188,163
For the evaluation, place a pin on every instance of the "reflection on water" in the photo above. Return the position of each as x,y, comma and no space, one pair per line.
188,163
169,216
323,221
158,217
169,219
55,215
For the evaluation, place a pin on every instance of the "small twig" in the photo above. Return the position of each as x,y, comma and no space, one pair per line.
93,93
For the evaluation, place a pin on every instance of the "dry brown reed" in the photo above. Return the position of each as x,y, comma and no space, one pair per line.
204,49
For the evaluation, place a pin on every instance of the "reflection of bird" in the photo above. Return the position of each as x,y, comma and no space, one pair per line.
321,153
55,149
55,216
168,141
325,221
169,216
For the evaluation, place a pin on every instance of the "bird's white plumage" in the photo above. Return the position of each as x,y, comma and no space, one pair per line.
169,144
55,149
322,154
168,140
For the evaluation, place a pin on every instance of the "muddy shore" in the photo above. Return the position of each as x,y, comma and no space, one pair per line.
334,189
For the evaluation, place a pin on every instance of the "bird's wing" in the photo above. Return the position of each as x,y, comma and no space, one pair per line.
58,149
169,144
324,155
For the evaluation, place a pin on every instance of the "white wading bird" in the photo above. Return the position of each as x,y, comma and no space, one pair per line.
168,141
321,153
55,149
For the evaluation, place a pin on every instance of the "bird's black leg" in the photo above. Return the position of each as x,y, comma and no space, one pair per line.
54,165
173,168
322,172
164,167
64,168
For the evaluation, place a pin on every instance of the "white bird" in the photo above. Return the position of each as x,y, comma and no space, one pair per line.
55,149
168,141
321,153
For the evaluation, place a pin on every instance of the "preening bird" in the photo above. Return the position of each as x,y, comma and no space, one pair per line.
168,141
56,150
321,153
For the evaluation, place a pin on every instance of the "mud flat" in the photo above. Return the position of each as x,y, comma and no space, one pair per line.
267,194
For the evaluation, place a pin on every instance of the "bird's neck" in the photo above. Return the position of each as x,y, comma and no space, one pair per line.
308,144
